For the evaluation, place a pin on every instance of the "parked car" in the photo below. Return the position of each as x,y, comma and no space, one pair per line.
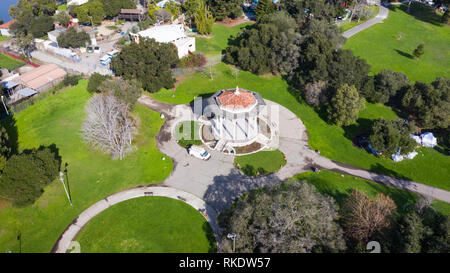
97,49
198,152
89,49
105,60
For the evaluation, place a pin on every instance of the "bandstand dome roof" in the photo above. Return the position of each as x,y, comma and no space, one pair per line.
236,99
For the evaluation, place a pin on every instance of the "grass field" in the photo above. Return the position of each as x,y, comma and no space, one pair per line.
213,46
429,167
390,45
9,62
148,225
338,186
3,38
92,175
260,163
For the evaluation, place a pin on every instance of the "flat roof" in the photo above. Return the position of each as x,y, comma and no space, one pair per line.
26,92
41,76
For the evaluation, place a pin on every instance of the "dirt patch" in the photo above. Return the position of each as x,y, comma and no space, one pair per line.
228,22
179,80
255,146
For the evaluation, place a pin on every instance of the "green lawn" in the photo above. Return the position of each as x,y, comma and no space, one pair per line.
148,225
92,174
187,133
9,62
263,162
338,186
62,7
390,45
3,38
213,46
429,167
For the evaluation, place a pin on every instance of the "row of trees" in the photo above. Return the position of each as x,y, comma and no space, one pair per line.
199,15
295,217
94,12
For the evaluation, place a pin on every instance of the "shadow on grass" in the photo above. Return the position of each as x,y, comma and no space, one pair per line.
378,168
361,127
421,12
405,54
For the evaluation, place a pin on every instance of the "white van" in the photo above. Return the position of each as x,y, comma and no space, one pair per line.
105,60
199,152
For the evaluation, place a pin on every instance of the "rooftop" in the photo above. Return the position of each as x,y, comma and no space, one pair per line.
236,99
41,76
7,24
165,33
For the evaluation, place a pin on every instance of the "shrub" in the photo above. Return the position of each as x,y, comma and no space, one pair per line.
387,137
70,80
95,81
25,175
193,60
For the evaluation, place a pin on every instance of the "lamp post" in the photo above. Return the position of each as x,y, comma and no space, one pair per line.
5,106
233,237
61,178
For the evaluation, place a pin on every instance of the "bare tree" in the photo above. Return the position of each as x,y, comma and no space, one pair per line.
108,125
363,216
315,93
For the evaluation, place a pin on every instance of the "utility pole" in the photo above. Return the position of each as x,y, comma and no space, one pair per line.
61,178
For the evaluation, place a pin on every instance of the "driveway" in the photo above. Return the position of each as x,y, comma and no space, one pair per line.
382,14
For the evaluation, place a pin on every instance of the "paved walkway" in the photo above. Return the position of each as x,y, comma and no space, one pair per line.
382,14
64,241
217,181
212,186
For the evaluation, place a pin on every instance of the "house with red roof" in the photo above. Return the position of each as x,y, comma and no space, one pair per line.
4,28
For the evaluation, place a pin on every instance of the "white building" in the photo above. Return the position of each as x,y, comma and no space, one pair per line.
170,34
234,116
76,2
4,28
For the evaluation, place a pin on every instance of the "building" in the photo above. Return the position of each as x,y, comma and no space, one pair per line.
234,117
42,78
170,34
4,28
76,2
131,15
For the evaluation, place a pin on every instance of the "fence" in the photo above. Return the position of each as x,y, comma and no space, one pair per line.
18,58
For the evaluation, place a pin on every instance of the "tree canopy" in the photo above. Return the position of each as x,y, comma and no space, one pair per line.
73,38
26,174
292,217
222,9
388,137
149,62
345,105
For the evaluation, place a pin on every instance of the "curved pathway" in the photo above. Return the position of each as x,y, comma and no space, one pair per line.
382,14
217,181
63,243
212,186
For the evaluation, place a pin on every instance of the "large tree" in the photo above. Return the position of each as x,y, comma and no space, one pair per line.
387,137
292,217
271,45
25,175
222,9
304,10
345,105
92,12
204,20
149,62
264,7
387,84
108,125
126,91
41,26
112,7
428,104
364,217
73,38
